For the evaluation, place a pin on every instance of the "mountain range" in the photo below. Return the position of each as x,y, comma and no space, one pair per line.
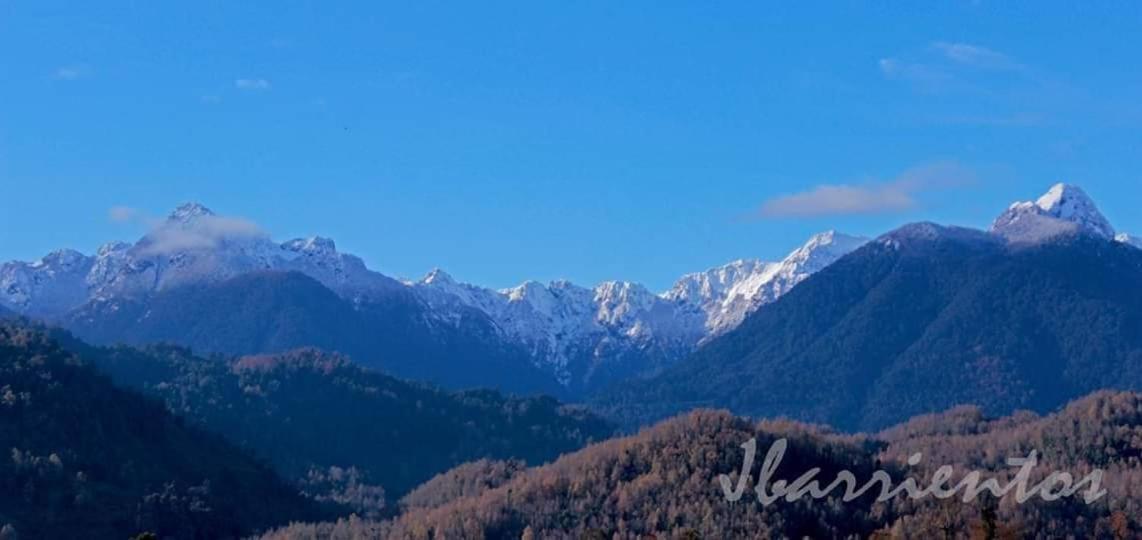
1044,307
222,285
268,422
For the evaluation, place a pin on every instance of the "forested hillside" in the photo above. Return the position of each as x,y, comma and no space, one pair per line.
663,483
85,459
343,432
921,320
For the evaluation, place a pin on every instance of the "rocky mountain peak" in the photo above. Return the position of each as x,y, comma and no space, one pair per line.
1063,208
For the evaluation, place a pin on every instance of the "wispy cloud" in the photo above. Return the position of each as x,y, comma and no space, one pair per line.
71,72
202,231
951,67
205,232
252,84
975,56
924,75
878,197
122,214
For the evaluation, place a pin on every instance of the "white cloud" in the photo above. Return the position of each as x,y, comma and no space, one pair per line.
975,55
122,214
200,231
841,199
915,73
72,72
204,232
252,84
896,195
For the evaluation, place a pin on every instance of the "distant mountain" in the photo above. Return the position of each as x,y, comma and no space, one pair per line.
193,246
663,482
728,294
341,432
922,319
591,337
85,459
162,287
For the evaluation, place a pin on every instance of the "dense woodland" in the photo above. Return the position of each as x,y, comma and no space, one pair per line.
661,482
345,433
84,459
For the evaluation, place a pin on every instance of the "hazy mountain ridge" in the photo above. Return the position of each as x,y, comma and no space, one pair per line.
270,312
581,337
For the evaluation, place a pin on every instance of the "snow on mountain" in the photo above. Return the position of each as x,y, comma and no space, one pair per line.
569,328
729,293
577,333
193,245
1064,208
52,283
1129,239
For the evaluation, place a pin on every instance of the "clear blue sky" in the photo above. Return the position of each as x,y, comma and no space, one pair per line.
588,140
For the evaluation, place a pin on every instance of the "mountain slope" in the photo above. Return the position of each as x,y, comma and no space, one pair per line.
87,459
925,318
340,431
267,312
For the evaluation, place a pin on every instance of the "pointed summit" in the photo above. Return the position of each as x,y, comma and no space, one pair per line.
822,249
437,277
1061,209
188,212
1071,203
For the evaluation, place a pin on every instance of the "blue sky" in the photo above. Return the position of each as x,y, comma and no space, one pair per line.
589,141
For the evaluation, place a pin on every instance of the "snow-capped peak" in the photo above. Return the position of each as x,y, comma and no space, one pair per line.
62,259
193,245
1062,208
437,276
1129,239
727,294
188,212
822,249
314,245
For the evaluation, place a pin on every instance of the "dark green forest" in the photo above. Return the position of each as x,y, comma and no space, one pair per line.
920,320
84,459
